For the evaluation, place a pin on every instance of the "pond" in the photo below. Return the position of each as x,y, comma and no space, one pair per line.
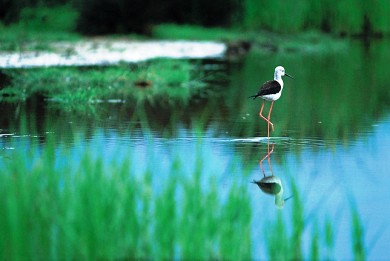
330,148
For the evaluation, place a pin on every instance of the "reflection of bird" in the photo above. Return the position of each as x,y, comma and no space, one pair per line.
272,185
271,91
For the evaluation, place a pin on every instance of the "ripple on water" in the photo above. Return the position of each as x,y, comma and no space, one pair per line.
284,143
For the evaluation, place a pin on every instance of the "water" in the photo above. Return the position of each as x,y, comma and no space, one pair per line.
331,136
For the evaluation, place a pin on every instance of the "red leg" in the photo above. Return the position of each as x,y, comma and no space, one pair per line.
264,118
269,116
261,112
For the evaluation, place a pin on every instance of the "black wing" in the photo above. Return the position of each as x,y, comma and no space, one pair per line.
270,87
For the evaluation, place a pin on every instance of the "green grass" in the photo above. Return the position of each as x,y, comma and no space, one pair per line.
75,201
38,27
329,110
102,207
357,235
286,242
158,81
341,17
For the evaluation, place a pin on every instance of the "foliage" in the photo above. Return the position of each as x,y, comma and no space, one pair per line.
158,81
10,10
357,235
37,27
60,18
349,17
344,17
76,204
283,244
75,201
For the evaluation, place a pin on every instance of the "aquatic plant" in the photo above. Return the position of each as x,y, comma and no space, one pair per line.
69,202
75,202
159,81
357,235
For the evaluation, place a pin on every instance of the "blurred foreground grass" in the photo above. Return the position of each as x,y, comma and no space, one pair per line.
77,202
72,203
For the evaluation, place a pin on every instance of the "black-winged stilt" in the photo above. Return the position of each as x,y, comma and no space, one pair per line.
271,91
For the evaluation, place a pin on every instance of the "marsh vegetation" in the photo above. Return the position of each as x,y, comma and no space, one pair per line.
155,159
77,88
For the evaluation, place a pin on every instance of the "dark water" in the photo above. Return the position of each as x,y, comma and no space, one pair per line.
331,135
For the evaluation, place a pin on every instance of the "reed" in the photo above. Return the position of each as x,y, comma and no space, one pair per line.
58,207
71,202
357,235
315,244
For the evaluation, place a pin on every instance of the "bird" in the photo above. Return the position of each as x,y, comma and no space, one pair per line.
271,91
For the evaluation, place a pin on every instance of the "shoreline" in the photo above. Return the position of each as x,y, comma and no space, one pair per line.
110,52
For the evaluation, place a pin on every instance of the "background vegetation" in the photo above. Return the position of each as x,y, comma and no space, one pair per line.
345,17
163,81
72,200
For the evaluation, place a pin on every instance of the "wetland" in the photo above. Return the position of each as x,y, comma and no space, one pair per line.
163,165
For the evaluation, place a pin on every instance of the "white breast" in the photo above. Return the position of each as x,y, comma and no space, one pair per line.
272,97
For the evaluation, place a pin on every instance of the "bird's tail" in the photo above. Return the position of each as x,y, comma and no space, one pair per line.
254,96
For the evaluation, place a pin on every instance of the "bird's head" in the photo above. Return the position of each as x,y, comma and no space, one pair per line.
279,72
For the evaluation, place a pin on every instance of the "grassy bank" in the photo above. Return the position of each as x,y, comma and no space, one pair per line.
158,81
71,201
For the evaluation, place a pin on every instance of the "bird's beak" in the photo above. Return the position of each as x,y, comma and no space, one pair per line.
289,75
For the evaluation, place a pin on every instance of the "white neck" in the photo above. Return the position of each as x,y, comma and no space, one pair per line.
278,78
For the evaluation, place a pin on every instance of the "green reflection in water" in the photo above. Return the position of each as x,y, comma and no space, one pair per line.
333,94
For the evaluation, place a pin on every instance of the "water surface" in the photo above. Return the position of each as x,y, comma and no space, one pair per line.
331,136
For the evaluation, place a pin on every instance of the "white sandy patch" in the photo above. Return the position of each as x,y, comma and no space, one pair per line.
100,52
